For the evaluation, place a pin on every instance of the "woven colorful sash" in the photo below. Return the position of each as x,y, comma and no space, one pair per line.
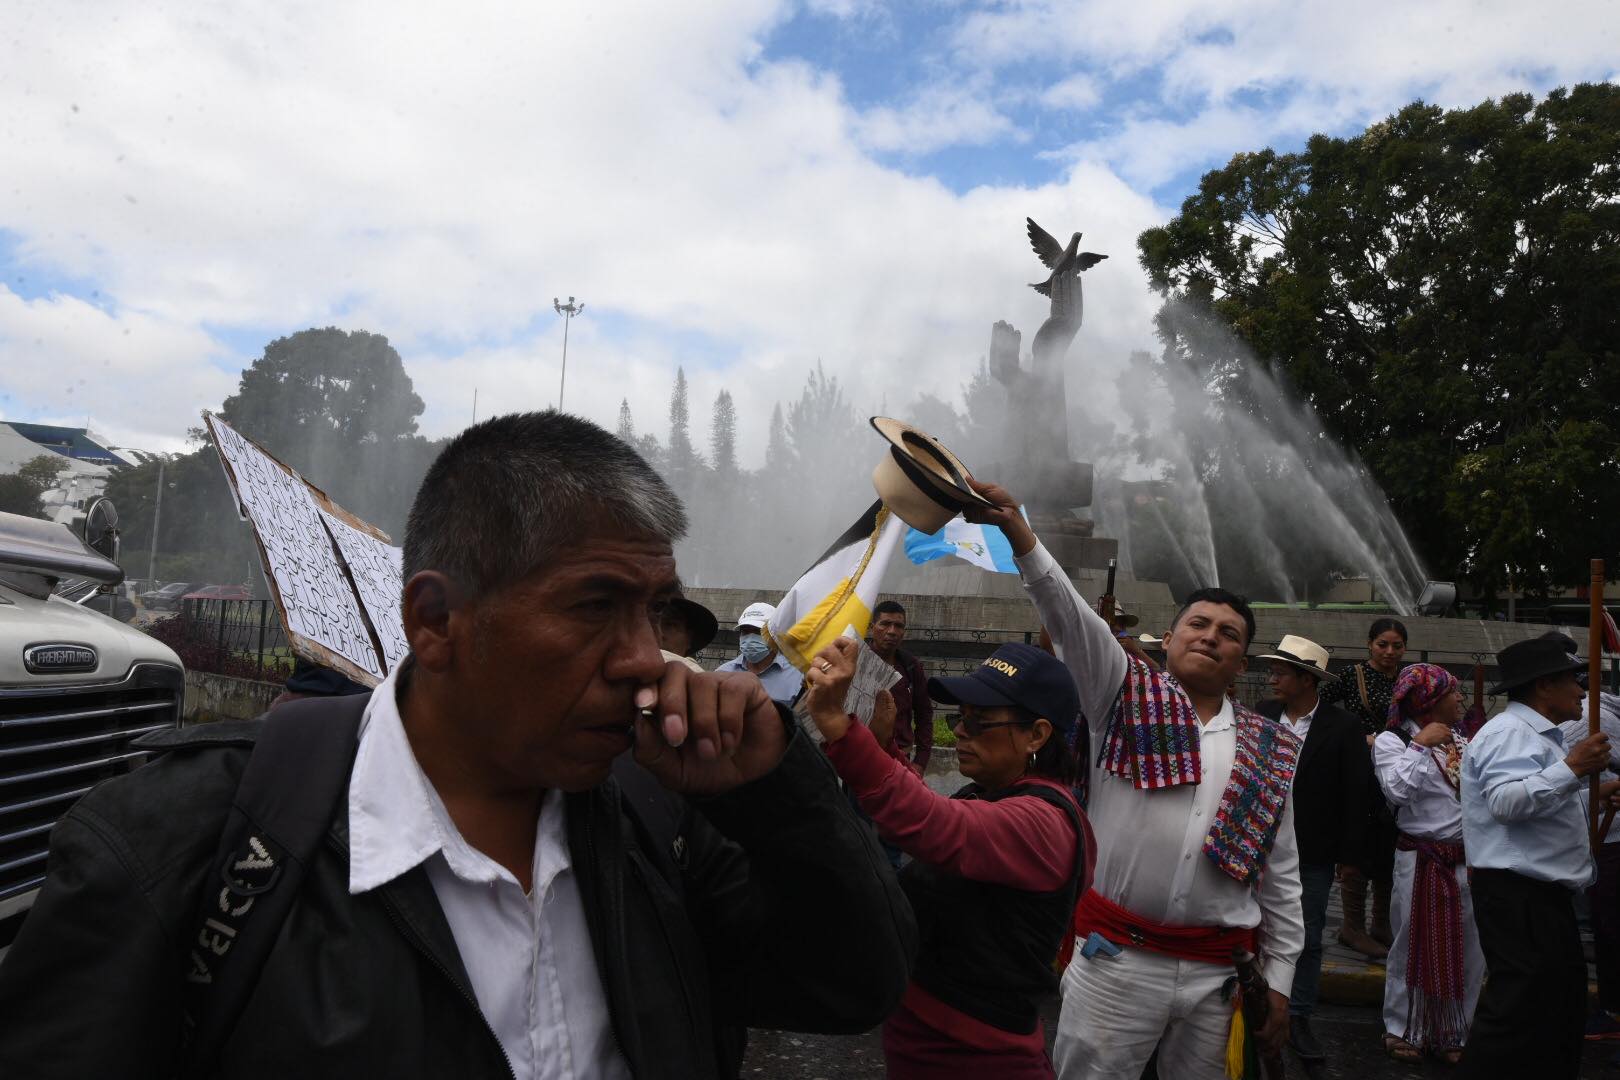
1436,1015
1252,804
1152,740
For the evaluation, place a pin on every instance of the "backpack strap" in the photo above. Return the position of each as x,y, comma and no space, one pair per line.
284,804
1366,702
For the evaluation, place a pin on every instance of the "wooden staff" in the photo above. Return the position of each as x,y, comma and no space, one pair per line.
1106,603
1594,686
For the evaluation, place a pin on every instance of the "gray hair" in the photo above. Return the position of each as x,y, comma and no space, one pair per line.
506,495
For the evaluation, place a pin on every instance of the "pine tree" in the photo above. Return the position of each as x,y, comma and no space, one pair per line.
778,457
723,436
681,455
627,427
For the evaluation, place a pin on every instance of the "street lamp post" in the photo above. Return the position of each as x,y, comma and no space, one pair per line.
157,516
567,311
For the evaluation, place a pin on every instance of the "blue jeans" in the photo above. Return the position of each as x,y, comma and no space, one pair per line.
1315,883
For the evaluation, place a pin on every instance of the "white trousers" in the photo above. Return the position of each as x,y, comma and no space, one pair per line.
1115,1011
1396,997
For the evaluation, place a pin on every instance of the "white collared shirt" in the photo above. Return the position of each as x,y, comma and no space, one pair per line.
1302,726
529,957
1150,844
1414,780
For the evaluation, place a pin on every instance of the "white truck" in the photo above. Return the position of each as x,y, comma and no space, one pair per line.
75,688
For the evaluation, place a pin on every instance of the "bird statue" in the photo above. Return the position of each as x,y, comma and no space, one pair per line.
1059,259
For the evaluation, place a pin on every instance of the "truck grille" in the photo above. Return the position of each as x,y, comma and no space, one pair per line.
56,743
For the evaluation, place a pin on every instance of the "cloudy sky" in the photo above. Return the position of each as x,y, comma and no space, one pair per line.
741,187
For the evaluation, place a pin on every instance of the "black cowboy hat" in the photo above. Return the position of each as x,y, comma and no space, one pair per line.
700,622
1526,661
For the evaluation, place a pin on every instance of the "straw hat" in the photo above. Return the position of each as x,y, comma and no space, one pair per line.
1304,654
920,479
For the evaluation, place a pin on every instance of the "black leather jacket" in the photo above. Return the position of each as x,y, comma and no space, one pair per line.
775,909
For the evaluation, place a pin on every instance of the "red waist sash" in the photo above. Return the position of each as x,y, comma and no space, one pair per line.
1095,914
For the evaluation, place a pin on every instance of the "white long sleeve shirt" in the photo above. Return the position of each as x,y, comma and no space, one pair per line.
1150,843
1414,781
528,956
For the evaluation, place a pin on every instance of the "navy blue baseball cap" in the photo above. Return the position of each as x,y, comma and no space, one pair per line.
1020,675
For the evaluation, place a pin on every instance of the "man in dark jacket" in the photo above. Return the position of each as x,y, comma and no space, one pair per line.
487,901
1331,788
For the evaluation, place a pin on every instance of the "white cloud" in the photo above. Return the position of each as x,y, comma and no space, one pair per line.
140,379
437,173
439,176
1320,66
1079,91
935,118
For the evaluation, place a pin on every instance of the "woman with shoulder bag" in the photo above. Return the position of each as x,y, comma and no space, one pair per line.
996,868
1366,690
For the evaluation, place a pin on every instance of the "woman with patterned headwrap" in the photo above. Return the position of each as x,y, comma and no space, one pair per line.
1435,967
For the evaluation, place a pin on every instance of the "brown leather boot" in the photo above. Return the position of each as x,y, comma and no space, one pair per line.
1352,932
1380,931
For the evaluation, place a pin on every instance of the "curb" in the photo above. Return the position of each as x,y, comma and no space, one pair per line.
1343,985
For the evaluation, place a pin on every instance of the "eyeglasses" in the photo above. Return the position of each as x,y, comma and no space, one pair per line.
973,727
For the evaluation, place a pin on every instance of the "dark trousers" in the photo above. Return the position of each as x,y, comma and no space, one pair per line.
1315,883
1531,1017
1604,899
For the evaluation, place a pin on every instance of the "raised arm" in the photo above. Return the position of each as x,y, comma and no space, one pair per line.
1022,842
1084,642
1402,769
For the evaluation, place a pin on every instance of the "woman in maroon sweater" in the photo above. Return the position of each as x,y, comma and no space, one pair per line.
996,868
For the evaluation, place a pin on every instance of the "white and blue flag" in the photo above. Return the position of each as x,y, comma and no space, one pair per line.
982,545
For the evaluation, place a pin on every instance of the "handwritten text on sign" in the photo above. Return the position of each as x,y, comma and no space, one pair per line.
315,597
375,566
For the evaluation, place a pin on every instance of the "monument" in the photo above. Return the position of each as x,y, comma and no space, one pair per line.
1035,461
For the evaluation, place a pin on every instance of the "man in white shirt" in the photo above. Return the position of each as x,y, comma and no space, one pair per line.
1188,797
1332,783
487,901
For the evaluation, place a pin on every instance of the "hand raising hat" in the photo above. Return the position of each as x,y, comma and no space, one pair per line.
920,479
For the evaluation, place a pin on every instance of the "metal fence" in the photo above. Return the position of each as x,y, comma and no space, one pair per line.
236,637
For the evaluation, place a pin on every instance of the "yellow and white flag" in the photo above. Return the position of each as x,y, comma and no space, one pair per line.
834,598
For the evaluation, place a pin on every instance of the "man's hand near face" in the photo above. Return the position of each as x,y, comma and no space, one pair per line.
706,733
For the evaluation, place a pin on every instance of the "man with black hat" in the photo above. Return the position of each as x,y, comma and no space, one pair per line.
1331,786
686,627
1525,831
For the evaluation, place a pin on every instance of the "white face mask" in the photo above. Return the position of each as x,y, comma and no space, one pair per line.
754,647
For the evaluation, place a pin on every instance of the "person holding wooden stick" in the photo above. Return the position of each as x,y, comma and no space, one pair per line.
1526,835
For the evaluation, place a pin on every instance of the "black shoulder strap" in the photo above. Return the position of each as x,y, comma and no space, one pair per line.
284,804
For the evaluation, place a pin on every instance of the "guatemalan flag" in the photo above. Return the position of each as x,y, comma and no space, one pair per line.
981,545
835,597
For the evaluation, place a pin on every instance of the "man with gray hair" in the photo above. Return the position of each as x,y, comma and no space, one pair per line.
500,890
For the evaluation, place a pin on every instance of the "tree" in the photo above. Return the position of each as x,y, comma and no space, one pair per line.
821,424
681,461
326,387
21,491
1440,289
339,407
627,427
723,437
778,455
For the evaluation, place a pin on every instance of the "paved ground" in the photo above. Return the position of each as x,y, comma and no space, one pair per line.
1347,1024
1349,1034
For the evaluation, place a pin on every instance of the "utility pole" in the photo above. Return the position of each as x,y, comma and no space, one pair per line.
157,516
567,311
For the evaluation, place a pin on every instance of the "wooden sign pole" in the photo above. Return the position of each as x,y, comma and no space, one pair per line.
1594,685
